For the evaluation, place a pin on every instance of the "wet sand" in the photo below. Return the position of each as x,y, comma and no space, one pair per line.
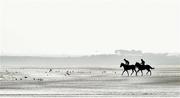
89,82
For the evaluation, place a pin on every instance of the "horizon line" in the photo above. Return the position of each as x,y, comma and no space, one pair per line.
80,55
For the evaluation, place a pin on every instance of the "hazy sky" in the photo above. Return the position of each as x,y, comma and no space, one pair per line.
64,27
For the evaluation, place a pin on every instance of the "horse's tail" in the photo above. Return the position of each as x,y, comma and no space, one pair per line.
152,67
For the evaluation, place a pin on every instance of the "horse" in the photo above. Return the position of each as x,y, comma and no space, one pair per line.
143,67
128,67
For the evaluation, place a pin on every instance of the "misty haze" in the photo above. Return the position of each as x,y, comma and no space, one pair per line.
100,60
89,48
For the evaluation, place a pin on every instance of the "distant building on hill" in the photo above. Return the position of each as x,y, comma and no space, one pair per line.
129,53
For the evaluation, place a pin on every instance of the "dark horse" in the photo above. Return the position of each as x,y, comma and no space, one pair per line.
128,67
143,67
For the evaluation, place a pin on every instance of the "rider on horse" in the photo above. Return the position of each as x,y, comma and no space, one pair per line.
126,62
142,62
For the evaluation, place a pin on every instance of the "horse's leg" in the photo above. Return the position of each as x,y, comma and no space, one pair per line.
123,72
127,72
132,72
141,73
147,72
137,72
150,72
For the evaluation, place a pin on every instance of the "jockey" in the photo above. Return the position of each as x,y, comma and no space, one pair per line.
142,62
126,62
